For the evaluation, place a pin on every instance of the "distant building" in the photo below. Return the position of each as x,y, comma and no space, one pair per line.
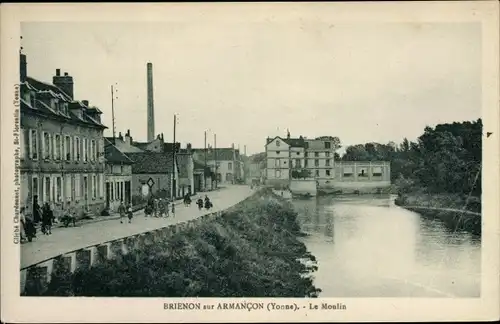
62,146
226,163
289,159
152,174
118,177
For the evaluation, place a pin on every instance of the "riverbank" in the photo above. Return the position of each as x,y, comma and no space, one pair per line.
457,212
250,251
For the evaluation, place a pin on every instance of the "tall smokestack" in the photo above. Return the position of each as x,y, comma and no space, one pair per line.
151,112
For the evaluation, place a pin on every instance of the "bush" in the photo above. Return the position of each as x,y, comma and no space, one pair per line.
251,251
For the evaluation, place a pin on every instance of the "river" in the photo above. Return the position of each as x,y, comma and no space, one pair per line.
367,247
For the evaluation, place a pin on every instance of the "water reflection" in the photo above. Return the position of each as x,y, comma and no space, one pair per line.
367,247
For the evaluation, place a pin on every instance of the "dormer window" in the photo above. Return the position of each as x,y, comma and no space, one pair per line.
277,143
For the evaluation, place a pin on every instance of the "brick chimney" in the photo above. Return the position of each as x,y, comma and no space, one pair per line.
64,82
22,67
128,138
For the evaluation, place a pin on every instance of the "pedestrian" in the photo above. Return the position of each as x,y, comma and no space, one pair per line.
148,210
156,207
37,214
47,218
161,206
130,213
121,211
173,209
29,226
167,211
199,202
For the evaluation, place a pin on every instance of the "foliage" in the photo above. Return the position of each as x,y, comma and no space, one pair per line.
252,251
138,199
444,159
301,174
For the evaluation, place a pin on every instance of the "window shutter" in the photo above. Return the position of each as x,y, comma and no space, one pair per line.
43,145
30,147
22,144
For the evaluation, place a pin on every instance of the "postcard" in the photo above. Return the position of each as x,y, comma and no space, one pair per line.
223,162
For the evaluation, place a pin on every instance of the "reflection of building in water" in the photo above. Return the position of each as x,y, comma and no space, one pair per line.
329,226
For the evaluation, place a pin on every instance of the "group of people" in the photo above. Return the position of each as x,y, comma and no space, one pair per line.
125,210
44,214
158,207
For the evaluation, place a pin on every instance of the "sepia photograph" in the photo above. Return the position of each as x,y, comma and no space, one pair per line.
285,162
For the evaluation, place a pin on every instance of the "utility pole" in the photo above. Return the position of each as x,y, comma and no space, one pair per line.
113,112
204,174
215,158
173,162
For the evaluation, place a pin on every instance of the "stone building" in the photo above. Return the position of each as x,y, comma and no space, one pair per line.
118,174
226,163
62,148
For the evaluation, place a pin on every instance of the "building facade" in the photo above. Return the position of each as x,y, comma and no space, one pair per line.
226,163
62,148
118,174
302,158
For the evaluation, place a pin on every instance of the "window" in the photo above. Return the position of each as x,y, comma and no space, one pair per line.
67,188
33,138
122,184
327,172
277,152
46,190
46,145
327,162
277,163
78,187
22,144
121,169
278,174
377,171
277,143
362,173
348,172
327,154
117,191
58,196
35,189
305,163
85,154
93,151
94,187
57,146
306,154
328,145
316,154
67,148
73,189
316,163
297,163
230,165
317,173
298,153
77,148
111,195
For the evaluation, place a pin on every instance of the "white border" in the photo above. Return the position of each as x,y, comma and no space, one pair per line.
17,309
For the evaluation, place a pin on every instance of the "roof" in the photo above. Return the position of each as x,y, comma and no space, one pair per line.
114,155
220,154
151,162
124,147
47,91
293,142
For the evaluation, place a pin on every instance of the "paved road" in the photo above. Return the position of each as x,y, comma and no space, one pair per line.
65,240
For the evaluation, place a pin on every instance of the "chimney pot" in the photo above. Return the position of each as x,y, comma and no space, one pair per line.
58,72
65,73
86,102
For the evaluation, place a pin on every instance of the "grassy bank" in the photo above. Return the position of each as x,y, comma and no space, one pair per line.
252,251
453,220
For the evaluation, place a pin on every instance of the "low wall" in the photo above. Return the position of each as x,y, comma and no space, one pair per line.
39,274
303,187
353,187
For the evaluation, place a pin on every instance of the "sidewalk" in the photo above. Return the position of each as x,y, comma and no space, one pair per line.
64,240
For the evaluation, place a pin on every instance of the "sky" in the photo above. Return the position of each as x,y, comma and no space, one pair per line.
246,81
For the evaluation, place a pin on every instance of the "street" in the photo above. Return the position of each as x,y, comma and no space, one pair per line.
65,240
